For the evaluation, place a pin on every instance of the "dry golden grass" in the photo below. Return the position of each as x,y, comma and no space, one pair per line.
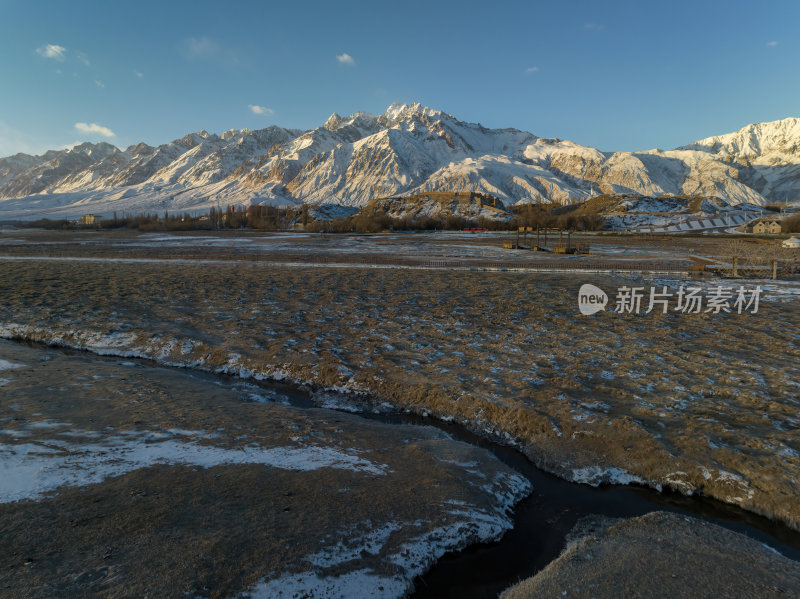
704,402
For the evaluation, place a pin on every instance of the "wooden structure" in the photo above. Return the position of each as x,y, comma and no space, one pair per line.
562,246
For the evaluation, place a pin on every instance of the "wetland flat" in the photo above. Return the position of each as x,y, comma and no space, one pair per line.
700,403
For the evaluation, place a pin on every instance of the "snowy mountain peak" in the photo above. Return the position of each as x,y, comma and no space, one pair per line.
394,110
763,142
399,111
363,121
333,122
231,133
97,151
409,149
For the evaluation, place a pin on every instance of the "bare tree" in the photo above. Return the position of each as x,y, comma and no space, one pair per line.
735,251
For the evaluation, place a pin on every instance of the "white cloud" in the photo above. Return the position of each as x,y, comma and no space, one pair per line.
99,83
531,69
94,128
139,74
345,59
255,109
52,51
772,44
83,58
594,26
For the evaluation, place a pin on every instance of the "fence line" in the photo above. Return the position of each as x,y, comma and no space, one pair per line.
372,259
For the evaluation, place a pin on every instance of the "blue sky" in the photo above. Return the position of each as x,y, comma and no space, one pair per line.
614,75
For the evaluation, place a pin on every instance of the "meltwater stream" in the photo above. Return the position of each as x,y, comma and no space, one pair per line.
541,521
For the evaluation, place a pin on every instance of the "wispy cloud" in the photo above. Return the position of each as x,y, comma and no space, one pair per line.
208,49
255,109
139,74
772,43
346,59
83,58
200,47
531,69
594,26
94,128
99,83
53,51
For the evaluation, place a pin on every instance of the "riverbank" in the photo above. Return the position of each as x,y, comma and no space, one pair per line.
122,478
691,402
661,555
132,392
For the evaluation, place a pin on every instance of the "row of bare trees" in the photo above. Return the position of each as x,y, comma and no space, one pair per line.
757,258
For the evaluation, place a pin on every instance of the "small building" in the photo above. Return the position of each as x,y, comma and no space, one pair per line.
90,219
792,243
765,226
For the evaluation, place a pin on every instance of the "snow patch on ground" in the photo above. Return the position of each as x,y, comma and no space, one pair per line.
6,365
30,470
414,557
596,475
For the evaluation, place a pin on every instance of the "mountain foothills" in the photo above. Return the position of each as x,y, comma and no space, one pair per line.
409,149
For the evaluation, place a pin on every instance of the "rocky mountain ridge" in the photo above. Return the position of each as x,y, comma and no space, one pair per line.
409,149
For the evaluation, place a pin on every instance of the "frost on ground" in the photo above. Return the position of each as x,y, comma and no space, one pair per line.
30,470
450,247
662,555
119,478
6,365
701,403
595,475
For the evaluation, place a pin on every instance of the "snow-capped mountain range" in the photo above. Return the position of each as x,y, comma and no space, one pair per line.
409,149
